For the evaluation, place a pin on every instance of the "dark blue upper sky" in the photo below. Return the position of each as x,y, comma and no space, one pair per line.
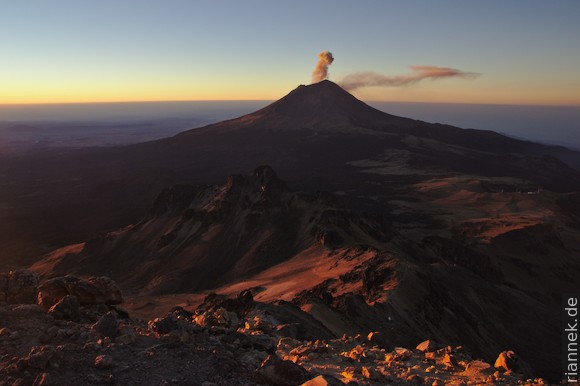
528,52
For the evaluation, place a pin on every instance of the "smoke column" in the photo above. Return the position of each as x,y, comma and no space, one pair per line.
325,59
418,73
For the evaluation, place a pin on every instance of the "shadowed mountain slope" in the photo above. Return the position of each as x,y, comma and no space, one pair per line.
196,238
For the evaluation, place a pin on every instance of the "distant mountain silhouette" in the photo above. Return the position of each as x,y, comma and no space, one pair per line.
322,127
321,106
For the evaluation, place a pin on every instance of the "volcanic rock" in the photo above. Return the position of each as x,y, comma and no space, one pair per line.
478,366
3,286
449,361
107,325
165,325
67,308
93,291
378,339
323,380
427,346
39,356
509,361
43,379
21,287
103,362
282,373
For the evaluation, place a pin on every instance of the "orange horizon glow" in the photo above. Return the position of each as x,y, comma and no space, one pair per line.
270,98
479,91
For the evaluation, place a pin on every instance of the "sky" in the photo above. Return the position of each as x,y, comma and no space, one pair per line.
68,51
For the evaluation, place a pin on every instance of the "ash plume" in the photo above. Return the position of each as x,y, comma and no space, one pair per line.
418,73
320,72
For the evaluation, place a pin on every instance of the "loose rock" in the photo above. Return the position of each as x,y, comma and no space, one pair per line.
107,325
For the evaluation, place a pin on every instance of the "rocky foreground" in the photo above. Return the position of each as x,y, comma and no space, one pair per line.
71,331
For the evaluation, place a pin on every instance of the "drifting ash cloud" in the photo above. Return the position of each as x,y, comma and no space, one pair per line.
419,73
320,72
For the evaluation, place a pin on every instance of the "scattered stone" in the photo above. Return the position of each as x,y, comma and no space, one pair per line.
178,336
349,372
263,342
506,361
127,336
175,347
289,330
3,286
415,380
282,373
402,353
509,361
370,373
68,308
427,346
103,362
449,361
323,380
44,379
286,343
108,288
356,353
28,311
39,356
253,358
165,325
107,325
22,287
51,291
478,366
377,339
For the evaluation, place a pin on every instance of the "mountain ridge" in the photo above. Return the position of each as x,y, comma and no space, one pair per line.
195,238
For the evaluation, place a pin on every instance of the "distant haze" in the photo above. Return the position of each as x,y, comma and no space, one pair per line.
548,124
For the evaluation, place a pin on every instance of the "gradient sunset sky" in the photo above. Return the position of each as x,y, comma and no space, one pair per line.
527,52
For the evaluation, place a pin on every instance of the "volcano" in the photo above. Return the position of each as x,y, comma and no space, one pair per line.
324,133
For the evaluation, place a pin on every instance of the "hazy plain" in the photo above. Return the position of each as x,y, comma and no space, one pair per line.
98,124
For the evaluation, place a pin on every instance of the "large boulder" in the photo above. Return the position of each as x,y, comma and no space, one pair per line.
108,288
165,325
52,291
94,290
21,287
